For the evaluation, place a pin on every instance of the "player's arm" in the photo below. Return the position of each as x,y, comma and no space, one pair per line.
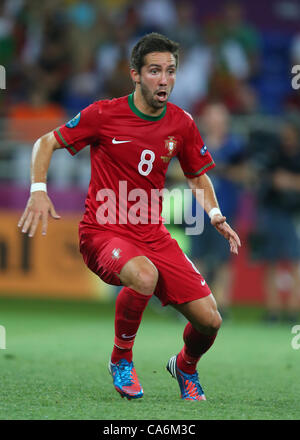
39,205
211,206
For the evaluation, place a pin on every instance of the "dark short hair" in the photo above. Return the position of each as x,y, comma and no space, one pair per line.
152,42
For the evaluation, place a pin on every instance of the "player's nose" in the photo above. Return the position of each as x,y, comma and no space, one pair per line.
163,79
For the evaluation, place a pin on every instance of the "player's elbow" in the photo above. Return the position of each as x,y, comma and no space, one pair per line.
199,182
47,142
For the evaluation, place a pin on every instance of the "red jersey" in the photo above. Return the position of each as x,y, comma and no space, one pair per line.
130,155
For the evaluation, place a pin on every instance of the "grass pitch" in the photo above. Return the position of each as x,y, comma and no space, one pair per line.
55,366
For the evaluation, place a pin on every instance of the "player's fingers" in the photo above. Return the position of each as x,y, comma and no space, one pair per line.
44,223
228,232
236,238
53,213
233,246
34,224
27,222
22,218
223,229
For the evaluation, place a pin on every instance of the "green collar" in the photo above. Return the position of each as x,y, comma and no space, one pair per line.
143,115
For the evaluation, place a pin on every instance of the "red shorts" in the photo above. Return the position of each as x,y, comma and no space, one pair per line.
105,253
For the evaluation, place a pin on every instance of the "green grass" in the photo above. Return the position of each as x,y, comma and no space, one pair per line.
55,366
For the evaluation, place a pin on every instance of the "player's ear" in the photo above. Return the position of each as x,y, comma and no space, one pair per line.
135,76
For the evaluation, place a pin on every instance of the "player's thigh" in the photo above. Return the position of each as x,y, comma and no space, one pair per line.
202,313
106,254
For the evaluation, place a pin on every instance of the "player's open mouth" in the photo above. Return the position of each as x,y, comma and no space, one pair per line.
162,95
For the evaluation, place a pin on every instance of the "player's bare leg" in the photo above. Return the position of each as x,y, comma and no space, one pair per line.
139,276
202,314
199,335
221,286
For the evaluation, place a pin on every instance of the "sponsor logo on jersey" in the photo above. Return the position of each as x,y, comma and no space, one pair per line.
203,150
73,122
170,145
116,254
114,141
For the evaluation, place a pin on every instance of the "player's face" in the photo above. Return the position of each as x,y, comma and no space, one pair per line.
157,78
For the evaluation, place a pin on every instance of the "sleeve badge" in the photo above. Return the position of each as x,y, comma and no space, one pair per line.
203,150
73,122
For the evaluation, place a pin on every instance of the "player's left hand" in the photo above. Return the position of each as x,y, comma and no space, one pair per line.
219,222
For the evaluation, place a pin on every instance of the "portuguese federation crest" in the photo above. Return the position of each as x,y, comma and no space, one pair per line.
116,254
170,145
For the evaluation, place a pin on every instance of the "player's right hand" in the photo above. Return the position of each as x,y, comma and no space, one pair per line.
219,222
39,207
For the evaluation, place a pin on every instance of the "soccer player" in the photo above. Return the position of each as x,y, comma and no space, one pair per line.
132,140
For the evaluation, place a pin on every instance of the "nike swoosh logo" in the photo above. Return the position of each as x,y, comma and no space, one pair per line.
114,141
202,282
125,336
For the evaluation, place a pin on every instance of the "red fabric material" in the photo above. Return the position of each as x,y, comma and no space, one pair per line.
130,306
195,345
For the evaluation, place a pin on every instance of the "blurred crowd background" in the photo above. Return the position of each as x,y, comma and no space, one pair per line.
234,77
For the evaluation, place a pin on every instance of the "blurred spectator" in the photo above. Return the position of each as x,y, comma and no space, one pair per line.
195,59
239,97
7,35
238,43
186,31
87,28
10,36
53,69
192,77
295,49
119,83
209,250
112,60
83,86
235,51
292,102
113,7
82,14
276,238
157,15
53,62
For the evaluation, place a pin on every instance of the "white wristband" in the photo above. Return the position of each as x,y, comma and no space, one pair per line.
213,212
39,186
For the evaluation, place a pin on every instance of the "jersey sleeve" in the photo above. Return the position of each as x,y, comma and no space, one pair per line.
194,157
80,131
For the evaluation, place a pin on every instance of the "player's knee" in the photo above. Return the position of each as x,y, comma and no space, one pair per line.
146,279
216,322
211,324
